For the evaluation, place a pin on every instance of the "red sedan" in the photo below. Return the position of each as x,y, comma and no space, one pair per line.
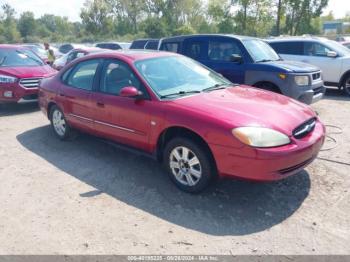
20,73
197,123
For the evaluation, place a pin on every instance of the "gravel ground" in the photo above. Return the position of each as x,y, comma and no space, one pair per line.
87,197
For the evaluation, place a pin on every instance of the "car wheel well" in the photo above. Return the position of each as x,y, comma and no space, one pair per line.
49,106
268,86
173,132
343,78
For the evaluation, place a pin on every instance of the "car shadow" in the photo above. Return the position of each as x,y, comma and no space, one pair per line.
17,109
230,207
336,94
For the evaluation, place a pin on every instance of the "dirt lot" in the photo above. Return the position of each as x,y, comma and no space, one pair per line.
87,197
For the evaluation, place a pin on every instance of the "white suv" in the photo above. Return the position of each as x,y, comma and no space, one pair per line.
332,57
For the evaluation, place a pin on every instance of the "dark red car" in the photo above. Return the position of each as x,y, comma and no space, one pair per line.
188,117
20,73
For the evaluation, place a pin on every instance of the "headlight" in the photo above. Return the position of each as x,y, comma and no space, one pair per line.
7,79
260,136
302,80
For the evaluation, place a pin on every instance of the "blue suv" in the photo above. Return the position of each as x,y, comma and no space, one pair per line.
251,61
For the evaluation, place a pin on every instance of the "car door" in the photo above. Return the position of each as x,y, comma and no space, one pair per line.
216,54
316,53
75,91
123,119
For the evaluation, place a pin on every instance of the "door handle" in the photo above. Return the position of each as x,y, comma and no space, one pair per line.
63,95
100,104
70,97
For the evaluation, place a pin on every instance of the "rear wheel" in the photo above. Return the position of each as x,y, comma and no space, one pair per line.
188,164
59,124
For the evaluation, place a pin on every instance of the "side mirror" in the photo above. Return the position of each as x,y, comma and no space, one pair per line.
332,54
130,91
236,59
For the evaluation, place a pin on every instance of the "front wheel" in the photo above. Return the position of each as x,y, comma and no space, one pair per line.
59,123
188,164
346,86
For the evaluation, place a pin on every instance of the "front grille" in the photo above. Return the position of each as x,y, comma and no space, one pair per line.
293,168
316,76
30,82
304,129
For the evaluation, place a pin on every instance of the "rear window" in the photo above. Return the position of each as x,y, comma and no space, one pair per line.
18,57
288,48
109,46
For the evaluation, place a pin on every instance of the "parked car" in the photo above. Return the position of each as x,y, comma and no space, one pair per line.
197,123
346,44
141,43
74,54
38,50
332,57
251,61
65,48
20,73
109,45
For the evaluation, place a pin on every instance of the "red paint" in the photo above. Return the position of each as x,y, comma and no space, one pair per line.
21,72
211,115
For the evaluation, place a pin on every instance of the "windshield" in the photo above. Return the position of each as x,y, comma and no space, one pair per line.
18,57
39,51
260,51
339,48
178,75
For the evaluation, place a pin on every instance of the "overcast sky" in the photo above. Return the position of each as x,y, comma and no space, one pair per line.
71,8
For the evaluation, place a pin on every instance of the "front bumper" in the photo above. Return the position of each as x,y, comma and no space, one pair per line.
269,164
15,93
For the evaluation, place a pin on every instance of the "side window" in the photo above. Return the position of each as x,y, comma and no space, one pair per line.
222,50
194,50
71,57
116,75
288,48
83,74
170,47
315,49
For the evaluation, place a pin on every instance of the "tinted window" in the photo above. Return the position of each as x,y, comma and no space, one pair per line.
83,75
152,45
288,48
222,50
65,48
315,49
138,44
170,47
19,57
115,76
110,46
194,50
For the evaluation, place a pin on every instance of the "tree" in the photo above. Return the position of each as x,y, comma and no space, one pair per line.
27,24
154,28
9,24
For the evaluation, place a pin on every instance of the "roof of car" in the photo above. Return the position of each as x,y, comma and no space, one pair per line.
182,37
296,38
133,54
10,46
88,49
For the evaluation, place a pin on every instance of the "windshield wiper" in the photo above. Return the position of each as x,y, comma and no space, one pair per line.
180,93
216,87
265,60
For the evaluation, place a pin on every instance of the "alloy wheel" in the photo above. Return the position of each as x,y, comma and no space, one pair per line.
185,166
59,123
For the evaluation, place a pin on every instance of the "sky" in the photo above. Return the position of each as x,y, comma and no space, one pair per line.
71,8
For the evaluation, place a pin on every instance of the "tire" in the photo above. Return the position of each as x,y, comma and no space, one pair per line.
191,178
346,85
59,124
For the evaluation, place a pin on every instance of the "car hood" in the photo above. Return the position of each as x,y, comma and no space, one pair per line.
248,106
28,72
295,67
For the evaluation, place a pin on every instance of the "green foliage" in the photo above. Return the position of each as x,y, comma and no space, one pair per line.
125,20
